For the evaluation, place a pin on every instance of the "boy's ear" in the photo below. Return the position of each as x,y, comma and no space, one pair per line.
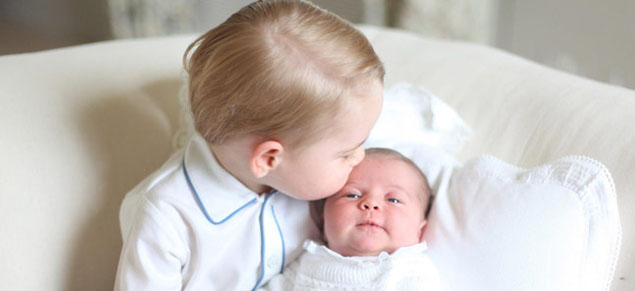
422,227
265,156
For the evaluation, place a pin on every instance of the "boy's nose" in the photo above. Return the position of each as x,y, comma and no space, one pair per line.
358,156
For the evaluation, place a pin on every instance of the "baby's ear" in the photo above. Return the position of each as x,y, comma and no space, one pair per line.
265,156
422,228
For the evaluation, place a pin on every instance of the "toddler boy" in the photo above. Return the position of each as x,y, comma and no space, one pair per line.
283,94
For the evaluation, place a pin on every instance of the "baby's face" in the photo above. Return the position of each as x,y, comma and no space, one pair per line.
377,210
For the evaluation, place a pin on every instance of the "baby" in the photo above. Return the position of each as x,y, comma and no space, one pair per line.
373,231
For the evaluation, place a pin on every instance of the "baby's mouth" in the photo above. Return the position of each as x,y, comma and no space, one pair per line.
370,225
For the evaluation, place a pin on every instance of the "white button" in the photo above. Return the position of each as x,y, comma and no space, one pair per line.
273,262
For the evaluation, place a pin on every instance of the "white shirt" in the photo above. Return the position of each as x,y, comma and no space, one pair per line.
192,226
320,268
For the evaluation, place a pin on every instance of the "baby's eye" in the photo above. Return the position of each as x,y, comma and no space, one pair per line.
394,200
354,196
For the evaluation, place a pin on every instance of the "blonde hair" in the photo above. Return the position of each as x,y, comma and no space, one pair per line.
276,69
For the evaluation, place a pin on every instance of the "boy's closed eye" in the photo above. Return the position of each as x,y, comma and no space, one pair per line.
347,156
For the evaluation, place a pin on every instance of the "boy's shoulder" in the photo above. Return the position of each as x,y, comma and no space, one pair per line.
161,182
153,193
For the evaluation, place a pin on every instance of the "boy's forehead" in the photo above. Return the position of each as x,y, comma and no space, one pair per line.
352,123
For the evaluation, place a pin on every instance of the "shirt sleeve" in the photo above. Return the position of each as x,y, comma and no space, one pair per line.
152,254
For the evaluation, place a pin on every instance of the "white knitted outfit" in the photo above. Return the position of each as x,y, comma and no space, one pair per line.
320,268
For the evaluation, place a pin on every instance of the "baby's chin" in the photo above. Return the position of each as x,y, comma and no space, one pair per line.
366,248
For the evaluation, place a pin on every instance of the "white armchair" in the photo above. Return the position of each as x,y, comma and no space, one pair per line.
80,126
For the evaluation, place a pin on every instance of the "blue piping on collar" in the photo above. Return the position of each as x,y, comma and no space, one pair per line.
262,233
275,218
262,239
200,203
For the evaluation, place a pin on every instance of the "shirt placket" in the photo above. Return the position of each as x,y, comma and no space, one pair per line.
272,242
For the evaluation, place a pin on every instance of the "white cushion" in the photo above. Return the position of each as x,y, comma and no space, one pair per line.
418,124
500,227
413,115
82,125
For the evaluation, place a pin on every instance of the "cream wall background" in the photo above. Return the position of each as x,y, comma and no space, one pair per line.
28,25
591,38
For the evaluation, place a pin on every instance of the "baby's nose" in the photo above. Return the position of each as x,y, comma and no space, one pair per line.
369,205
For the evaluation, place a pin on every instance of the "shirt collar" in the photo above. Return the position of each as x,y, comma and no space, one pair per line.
220,195
322,264
318,248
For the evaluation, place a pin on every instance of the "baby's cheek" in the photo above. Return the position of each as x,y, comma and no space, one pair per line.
406,233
